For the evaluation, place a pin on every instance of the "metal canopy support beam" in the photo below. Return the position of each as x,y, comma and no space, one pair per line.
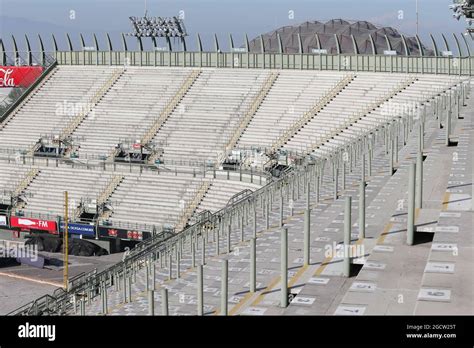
3,55
216,43
445,42
405,46
124,43
372,43
96,42
69,43
354,44
467,45
41,47
140,43
280,44
109,42
300,44
15,50
231,43
318,42
420,46
460,53
262,44
55,43
28,49
83,44
199,42
435,46
389,44
338,44
183,42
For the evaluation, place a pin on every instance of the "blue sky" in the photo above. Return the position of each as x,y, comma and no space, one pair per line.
212,16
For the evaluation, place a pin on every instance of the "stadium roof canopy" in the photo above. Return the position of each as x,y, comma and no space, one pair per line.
318,35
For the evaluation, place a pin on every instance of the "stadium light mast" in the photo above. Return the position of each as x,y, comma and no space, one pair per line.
158,27
417,19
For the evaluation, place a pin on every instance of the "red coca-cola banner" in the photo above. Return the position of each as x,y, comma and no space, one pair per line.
19,76
28,224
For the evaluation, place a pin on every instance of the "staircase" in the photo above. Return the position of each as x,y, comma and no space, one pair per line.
359,115
104,196
93,102
77,120
24,183
30,176
248,115
307,116
189,210
170,106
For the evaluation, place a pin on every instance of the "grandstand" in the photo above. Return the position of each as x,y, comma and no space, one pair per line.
181,150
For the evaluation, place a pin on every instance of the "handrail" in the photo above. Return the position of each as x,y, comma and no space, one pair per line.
26,181
170,106
99,94
359,115
109,188
189,210
248,115
77,120
308,115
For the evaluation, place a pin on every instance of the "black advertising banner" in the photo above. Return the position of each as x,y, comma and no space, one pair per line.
121,233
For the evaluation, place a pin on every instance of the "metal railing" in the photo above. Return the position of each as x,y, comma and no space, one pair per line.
248,115
191,207
317,107
109,188
357,116
98,95
296,61
29,177
170,106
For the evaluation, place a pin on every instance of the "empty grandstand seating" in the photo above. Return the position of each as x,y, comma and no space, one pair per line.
293,94
128,109
208,115
196,131
364,90
152,199
67,92
45,195
11,175
220,192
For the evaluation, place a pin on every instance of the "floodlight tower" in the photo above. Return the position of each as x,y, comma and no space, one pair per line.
464,8
417,19
156,27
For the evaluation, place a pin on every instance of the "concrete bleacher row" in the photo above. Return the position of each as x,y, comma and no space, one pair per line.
206,118
293,94
197,129
142,200
417,92
10,176
53,106
128,109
